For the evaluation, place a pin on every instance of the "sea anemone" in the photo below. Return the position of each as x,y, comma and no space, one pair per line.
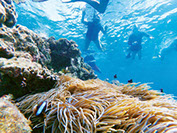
78,106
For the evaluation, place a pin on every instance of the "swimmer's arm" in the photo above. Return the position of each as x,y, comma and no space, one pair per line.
104,30
147,35
82,20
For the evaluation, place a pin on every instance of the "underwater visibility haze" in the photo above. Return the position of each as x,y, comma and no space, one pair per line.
157,18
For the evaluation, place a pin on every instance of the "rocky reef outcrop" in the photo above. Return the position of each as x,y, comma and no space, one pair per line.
21,76
11,119
67,57
8,15
26,57
23,60
21,38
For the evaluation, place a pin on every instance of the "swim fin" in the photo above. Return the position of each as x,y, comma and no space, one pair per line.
39,0
68,1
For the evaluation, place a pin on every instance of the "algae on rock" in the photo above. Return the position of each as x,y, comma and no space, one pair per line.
7,13
11,119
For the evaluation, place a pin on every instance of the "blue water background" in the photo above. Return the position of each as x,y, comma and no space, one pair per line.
158,18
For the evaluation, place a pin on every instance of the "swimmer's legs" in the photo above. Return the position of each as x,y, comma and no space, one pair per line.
133,55
139,54
98,45
99,6
129,53
69,1
87,43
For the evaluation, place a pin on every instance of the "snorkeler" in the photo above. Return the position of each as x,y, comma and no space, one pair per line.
171,48
99,6
134,41
94,27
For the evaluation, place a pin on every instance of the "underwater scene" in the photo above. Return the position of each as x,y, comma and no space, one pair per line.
157,18
88,66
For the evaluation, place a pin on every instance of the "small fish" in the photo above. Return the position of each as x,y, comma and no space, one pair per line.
85,69
130,81
161,90
39,108
115,76
66,70
107,79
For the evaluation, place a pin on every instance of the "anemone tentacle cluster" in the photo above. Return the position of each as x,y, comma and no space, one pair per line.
97,106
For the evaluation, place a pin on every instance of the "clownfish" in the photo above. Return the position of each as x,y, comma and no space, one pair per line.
39,108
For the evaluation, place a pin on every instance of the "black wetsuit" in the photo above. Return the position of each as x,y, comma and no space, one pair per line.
93,30
135,41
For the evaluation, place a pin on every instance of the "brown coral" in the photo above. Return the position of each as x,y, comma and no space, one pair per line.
11,120
97,106
8,16
64,54
21,76
21,38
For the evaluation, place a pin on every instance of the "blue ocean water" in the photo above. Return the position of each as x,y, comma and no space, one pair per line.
158,18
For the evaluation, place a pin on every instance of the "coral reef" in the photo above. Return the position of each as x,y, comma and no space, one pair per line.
21,76
11,119
97,106
65,54
25,57
57,54
21,38
8,16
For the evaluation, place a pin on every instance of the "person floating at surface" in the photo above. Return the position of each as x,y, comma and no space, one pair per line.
171,48
94,27
134,42
99,6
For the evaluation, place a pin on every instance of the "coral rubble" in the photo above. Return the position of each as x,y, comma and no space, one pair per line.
11,119
8,16
97,106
